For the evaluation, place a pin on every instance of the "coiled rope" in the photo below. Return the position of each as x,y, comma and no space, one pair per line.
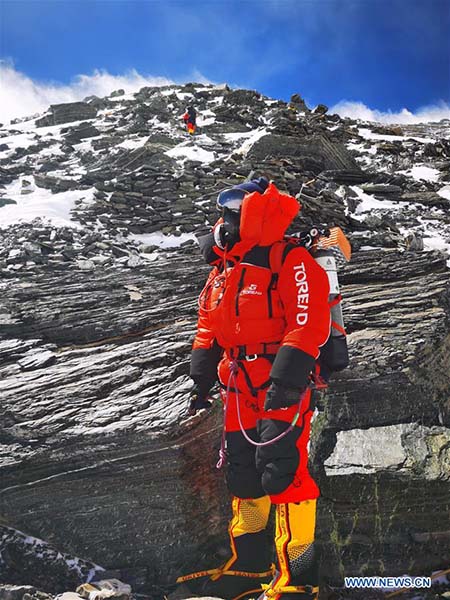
232,382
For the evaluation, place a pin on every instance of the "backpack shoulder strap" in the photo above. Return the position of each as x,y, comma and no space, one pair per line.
278,253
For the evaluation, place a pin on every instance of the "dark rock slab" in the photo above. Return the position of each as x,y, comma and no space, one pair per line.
5,201
146,360
320,109
298,103
384,433
383,525
346,176
56,184
66,113
25,559
426,198
74,135
107,466
382,189
317,155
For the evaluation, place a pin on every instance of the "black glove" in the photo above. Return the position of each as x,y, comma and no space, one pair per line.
279,396
198,398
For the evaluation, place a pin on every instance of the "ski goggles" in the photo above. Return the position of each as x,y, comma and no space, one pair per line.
231,199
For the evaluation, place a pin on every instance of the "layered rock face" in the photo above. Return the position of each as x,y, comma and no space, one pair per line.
384,441
97,454
67,113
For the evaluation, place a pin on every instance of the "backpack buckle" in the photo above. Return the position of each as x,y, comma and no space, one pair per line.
251,357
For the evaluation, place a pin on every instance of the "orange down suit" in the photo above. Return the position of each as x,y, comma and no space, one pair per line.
271,325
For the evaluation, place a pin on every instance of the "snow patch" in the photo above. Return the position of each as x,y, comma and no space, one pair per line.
19,140
368,134
434,237
240,135
369,203
361,148
420,172
256,135
188,152
445,192
133,144
161,240
183,96
207,117
41,203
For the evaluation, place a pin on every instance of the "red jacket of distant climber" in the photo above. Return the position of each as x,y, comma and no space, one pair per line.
190,118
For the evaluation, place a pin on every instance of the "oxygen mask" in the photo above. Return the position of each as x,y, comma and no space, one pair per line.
229,232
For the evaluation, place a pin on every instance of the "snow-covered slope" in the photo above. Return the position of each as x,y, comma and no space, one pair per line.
133,170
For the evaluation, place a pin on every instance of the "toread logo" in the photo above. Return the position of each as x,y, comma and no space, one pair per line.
251,290
302,294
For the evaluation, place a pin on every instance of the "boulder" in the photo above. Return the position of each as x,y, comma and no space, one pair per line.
315,154
66,113
320,109
31,561
117,93
5,201
298,103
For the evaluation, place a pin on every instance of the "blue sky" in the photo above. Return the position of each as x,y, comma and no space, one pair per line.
387,54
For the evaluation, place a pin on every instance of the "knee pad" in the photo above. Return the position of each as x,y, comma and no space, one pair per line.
243,479
278,462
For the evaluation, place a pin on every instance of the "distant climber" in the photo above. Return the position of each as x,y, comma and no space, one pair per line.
261,332
190,118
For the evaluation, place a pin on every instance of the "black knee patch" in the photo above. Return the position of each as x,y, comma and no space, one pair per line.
243,479
277,463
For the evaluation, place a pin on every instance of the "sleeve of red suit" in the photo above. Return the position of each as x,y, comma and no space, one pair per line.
304,289
206,353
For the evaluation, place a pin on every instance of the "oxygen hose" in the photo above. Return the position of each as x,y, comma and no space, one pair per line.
234,366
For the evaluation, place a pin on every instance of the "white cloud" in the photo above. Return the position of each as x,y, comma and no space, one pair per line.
358,110
21,96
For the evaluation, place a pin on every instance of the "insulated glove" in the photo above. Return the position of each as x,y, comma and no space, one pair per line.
279,396
198,399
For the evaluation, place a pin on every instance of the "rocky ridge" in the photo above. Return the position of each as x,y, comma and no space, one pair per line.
97,454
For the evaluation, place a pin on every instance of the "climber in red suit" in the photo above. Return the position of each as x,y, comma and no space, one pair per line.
190,118
261,332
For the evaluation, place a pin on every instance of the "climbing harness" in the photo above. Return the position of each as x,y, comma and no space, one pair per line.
232,382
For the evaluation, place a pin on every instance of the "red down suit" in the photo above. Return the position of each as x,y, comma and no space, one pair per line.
271,325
